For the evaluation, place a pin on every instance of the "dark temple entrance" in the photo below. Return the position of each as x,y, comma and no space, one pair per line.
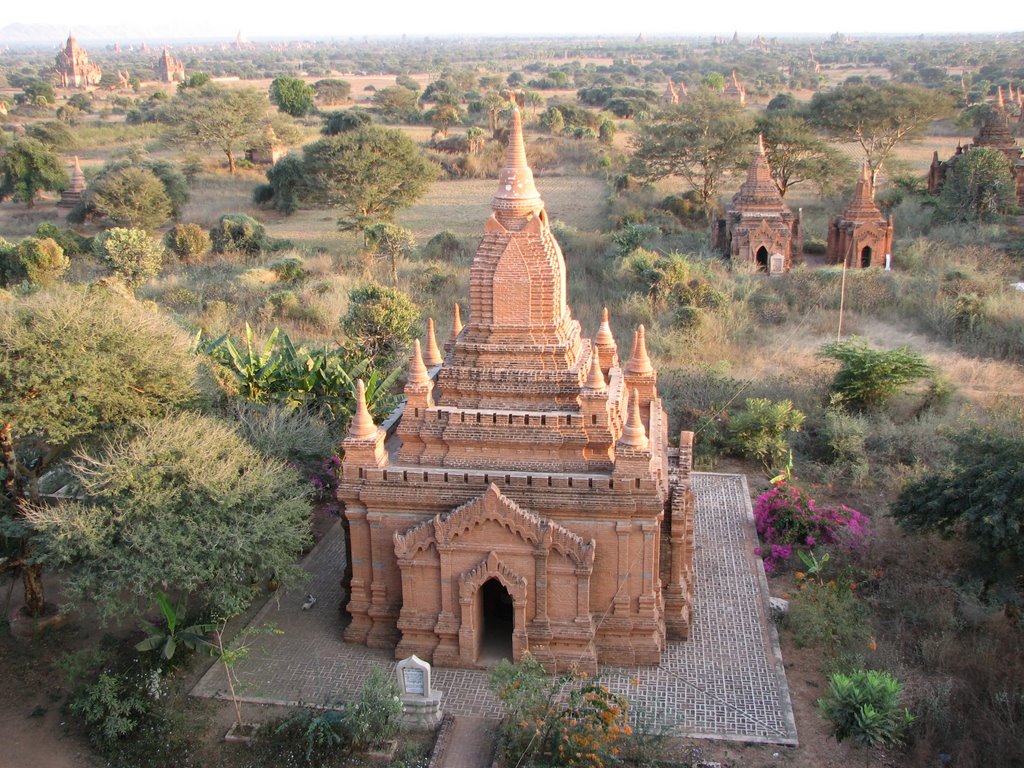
496,622
762,258
865,256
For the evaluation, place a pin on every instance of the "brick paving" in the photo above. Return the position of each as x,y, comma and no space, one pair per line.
725,682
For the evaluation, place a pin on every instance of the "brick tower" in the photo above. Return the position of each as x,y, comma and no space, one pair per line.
524,497
861,235
757,227
73,67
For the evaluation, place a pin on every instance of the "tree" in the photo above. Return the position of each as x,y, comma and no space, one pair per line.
979,187
292,95
182,501
388,241
868,377
53,135
396,102
286,179
132,254
878,118
443,117
28,168
978,496
381,322
332,91
368,174
214,117
74,364
782,102
130,196
796,154
345,120
701,140
42,260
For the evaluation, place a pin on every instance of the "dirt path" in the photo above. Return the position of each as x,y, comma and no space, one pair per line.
472,743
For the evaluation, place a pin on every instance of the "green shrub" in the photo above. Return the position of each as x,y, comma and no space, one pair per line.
759,432
73,243
381,322
864,707
828,616
238,232
845,434
868,377
113,705
815,246
133,255
284,433
42,261
289,269
444,246
189,242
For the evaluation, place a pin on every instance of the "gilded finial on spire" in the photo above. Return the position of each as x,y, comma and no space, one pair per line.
639,361
633,432
595,378
433,355
362,426
418,375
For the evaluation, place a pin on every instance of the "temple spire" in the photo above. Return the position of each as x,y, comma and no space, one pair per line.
456,326
633,432
418,375
639,363
760,144
362,426
517,195
604,336
433,355
595,378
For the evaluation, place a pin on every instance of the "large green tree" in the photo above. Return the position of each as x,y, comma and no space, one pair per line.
796,154
183,502
877,118
74,364
979,187
368,174
130,196
27,168
292,96
213,117
701,141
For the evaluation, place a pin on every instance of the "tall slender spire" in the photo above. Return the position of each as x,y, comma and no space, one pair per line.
595,378
517,195
418,375
362,426
633,432
433,355
639,361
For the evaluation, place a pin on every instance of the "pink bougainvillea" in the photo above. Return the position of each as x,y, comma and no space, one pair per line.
788,519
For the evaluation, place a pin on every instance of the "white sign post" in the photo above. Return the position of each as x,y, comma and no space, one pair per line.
421,704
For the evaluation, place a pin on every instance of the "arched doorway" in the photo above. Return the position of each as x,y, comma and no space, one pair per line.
494,622
762,258
865,256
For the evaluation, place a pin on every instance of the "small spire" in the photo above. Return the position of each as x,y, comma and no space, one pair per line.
633,432
433,356
517,194
362,426
595,379
760,144
639,361
604,336
999,98
456,328
78,168
418,375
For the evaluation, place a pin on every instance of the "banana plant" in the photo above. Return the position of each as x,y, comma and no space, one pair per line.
255,371
166,639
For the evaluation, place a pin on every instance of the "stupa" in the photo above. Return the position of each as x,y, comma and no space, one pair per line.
524,497
757,227
72,194
861,235
169,69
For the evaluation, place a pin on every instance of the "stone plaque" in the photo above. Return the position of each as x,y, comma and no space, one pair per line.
414,680
777,264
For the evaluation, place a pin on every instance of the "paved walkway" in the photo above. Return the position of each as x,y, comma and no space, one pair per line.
725,682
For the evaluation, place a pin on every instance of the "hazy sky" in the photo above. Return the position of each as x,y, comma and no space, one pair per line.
419,18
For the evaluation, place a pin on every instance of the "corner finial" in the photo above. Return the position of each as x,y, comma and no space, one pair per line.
362,426
433,355
456,326
418,375
639,363
633,432
595,378
604,336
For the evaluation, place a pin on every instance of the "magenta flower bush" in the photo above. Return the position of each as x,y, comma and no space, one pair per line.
787,519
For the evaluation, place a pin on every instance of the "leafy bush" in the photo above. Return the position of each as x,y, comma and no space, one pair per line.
381,322
288,434
444,246
868,377
42,261
827,615
73,243
759,432
290,269
132,254
374,718
864,707
189,242
113,705
845,435
238,232
786,517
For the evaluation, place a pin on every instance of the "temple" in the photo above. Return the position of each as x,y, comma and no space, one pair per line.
72,194
73,67
734,89
757,227
524,497
995,133
169,69
861,236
